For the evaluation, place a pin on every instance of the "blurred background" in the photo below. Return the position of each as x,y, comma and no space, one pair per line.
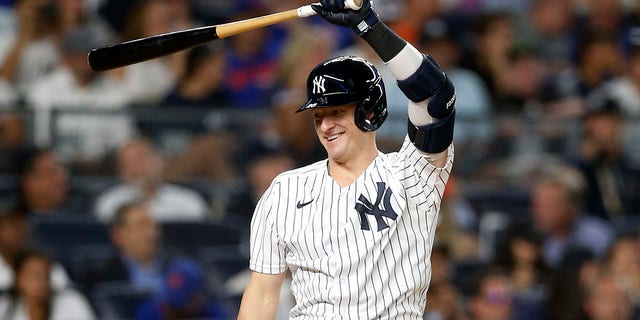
128,194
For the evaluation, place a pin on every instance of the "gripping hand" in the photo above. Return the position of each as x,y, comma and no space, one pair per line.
335,12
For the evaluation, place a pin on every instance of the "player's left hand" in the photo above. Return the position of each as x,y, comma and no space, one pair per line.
360,20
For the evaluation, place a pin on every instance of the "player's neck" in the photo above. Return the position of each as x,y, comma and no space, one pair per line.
347,172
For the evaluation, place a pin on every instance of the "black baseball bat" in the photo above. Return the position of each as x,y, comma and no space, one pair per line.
134,51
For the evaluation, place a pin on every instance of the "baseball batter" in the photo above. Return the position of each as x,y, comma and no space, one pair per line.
356,230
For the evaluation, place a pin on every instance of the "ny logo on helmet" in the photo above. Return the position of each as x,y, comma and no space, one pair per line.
318,84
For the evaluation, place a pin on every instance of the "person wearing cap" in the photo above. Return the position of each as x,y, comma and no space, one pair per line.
183,295
613,181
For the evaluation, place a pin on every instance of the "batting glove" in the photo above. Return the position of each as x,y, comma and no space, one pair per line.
360,20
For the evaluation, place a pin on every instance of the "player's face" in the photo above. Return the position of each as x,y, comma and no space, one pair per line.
338,133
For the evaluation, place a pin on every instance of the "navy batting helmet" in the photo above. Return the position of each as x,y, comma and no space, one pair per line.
346,80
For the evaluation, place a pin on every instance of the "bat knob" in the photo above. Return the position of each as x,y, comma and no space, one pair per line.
353,4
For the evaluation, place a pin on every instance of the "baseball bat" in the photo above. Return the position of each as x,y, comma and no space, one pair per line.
138,50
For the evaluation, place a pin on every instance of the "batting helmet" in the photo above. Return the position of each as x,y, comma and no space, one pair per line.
346,80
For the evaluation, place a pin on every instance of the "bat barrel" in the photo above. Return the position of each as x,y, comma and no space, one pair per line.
139,50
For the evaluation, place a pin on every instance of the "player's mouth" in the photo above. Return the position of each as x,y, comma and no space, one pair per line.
333,137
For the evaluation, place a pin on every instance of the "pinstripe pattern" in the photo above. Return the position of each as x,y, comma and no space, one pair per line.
341,271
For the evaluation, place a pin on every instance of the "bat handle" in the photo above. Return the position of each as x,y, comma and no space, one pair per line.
306,11
353,4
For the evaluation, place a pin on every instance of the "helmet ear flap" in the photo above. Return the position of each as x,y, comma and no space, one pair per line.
372,111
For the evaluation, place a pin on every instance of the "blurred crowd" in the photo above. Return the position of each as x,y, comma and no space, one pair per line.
127,194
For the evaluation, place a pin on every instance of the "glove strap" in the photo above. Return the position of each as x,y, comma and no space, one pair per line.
366,24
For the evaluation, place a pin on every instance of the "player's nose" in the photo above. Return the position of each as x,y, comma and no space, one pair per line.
326,123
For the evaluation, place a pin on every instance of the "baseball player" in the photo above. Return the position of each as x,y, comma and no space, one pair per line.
356,230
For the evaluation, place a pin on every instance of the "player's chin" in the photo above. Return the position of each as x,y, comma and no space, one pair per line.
336,153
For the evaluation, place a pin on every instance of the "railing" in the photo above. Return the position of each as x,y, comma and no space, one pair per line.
85,133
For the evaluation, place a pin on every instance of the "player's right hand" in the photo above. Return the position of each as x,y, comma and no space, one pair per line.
360,20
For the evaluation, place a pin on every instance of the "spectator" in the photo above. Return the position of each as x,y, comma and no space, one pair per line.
442,264
490,297
607,298
80,13
74,86
458,225
493,41
32,296
183,295
625,89
13,140
202,83
521,256
260,171
200,89
623,260
473,101
444,302
138,260
546,28
557,207
202,158
613,180
148,82
44,185
598,60
140,168
604,15
32,52
252,60
570,280
14,239
414,14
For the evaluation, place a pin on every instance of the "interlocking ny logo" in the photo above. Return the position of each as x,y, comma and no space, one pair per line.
364,207
318,84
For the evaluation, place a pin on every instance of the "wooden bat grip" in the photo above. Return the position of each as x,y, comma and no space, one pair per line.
231,28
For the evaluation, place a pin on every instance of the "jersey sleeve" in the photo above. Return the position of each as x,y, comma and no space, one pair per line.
267,254
423,181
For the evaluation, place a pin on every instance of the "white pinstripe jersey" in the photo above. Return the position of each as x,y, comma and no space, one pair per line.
356,252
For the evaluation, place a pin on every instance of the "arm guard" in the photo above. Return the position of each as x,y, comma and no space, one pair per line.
434,137
429,82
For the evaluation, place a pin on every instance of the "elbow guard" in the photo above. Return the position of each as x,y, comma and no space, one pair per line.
430,82
434,137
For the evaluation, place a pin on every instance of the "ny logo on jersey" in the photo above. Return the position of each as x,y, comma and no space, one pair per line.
365,207
318,84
